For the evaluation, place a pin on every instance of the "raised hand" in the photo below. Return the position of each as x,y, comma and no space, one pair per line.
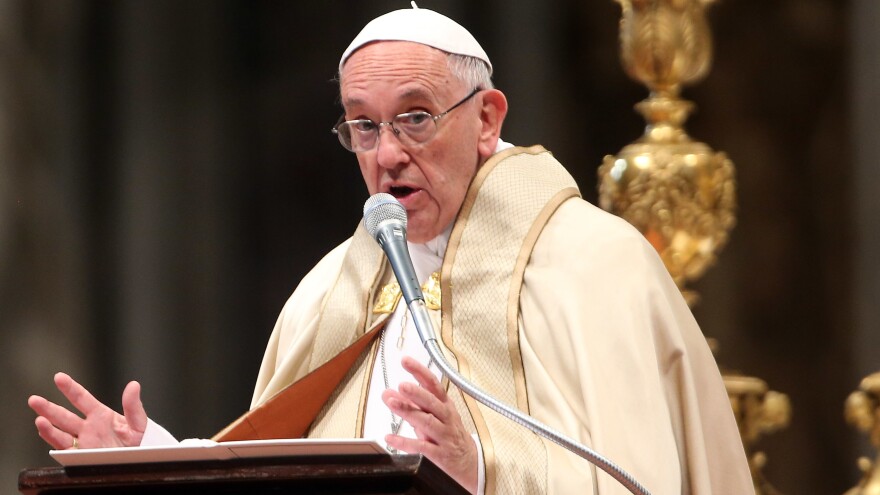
441,436
101,426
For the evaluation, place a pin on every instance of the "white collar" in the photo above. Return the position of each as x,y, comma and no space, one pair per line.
428,257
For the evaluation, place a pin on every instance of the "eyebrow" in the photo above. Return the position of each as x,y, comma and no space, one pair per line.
414,93
417,93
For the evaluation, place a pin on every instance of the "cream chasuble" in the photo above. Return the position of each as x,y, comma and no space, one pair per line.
586,332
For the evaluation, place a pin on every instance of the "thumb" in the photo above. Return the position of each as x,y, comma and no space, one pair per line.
133,408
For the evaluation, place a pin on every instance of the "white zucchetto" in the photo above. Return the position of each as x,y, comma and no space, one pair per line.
419,26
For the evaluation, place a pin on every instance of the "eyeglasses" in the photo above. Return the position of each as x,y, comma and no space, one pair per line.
411,128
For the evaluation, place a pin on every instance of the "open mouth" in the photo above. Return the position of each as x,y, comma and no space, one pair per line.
401,191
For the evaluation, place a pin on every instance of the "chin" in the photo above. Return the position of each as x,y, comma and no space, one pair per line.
417,239
418,236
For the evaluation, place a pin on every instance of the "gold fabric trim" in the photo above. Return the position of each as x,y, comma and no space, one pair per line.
509,201
516,285
345,315
365,388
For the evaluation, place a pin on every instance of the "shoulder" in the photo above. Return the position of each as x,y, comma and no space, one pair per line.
330,264
318,281
582,236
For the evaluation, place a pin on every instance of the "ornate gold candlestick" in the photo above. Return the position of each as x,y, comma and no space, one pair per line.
863,411
679,192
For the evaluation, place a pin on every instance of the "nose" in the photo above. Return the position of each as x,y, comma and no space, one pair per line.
390,152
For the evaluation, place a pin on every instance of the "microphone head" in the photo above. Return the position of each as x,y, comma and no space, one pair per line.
381,207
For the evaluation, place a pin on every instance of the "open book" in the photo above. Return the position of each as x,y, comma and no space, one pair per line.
206,450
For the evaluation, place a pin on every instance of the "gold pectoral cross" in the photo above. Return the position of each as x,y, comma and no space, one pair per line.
389,296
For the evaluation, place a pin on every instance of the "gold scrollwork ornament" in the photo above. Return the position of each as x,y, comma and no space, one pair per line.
758,412
862,410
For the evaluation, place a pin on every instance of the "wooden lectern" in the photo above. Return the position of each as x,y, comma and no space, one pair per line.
325,475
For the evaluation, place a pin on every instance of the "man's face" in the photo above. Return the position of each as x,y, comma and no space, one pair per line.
385,79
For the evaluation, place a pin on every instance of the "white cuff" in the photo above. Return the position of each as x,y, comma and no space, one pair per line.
481,466
155,435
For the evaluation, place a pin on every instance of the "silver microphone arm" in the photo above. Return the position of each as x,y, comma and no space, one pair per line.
425,328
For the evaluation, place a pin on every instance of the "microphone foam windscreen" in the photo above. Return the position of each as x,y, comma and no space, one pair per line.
380,207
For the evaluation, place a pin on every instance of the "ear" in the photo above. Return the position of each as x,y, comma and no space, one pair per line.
492,113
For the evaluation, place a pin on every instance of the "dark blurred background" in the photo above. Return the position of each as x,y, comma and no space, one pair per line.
167,176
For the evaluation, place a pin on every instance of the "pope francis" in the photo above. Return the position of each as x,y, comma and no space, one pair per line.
543,300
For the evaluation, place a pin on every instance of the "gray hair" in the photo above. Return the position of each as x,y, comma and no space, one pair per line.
469,70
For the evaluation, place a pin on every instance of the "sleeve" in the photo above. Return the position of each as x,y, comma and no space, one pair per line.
481,466
155,435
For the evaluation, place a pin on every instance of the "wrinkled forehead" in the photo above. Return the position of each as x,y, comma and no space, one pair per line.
396,59
396,69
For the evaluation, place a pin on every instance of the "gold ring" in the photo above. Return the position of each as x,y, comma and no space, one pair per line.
75,443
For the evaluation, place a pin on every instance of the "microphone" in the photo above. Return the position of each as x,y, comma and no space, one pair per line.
385,220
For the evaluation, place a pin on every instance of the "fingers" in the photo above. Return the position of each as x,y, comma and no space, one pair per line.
413,446
101,427
439,430
424,406
52,435
77,394
55,415
133,408
445,441
422,399
424,377
429,395
426,422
